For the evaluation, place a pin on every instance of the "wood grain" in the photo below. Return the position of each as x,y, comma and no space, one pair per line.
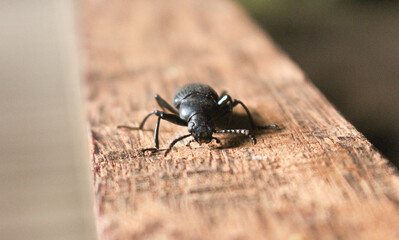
318,178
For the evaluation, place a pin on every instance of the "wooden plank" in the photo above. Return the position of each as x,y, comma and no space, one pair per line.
317,179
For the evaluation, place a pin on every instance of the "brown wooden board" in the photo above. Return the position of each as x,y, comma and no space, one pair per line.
318,178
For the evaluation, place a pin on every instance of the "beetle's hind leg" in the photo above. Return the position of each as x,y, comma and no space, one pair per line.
251,120
227,102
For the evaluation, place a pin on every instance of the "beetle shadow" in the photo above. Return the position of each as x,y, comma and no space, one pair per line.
239,121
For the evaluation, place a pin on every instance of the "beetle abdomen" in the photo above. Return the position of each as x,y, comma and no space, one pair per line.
193,89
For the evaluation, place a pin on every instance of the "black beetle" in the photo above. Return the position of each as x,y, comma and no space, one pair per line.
197,106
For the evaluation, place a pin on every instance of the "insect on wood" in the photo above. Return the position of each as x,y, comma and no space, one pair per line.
198,106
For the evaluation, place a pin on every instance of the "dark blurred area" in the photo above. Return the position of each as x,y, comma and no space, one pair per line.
350,50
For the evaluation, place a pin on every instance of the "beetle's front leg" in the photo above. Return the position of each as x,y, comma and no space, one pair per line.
161,115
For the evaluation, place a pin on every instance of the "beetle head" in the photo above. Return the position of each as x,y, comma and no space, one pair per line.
201,128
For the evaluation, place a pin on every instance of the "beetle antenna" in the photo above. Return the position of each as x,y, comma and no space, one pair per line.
128,127
245,132
175,141
216,139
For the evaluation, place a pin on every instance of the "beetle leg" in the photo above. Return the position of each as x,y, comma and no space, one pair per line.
226,105
165,116
146,117
152,150
161,115
224,100
251,120
165,105
223,93
141,124
156,133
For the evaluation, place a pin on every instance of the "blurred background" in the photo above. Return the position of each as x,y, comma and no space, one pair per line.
350,51
44,157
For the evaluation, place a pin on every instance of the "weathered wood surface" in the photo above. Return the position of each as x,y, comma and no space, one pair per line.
317,179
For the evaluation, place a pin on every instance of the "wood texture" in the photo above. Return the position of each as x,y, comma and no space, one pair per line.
318,178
